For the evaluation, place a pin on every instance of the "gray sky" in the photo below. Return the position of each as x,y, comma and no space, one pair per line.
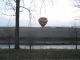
60,13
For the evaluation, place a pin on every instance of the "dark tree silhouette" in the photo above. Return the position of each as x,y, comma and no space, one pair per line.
17,25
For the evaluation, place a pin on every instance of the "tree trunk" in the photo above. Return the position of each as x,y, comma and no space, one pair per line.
17,25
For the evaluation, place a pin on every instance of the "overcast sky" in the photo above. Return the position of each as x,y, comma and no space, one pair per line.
59,13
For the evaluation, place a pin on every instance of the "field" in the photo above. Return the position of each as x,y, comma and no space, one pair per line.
38,36
40,54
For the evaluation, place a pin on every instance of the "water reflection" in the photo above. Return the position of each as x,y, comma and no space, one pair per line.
41,46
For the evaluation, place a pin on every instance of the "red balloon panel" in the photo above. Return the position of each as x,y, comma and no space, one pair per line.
43,21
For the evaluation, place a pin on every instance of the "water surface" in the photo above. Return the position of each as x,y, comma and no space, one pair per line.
5,46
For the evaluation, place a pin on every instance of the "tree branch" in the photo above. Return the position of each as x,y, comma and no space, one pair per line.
6,14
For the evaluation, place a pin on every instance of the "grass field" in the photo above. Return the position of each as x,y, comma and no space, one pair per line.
40,54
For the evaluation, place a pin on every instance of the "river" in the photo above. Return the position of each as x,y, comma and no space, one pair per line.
41,46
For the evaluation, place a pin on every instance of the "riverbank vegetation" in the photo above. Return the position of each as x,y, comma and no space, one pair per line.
39,54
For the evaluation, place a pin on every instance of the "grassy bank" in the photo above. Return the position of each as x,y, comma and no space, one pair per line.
49,54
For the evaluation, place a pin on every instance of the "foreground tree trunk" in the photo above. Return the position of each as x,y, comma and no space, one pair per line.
17,25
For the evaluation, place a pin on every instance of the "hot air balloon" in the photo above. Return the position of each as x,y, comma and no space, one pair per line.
42,21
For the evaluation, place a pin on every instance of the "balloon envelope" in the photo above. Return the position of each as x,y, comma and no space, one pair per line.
43,21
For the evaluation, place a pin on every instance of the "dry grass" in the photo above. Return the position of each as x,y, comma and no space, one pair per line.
49,54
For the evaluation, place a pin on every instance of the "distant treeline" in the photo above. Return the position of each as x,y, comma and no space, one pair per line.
40,36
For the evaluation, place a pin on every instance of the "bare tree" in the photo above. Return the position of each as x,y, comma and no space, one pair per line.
76,3
11,5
